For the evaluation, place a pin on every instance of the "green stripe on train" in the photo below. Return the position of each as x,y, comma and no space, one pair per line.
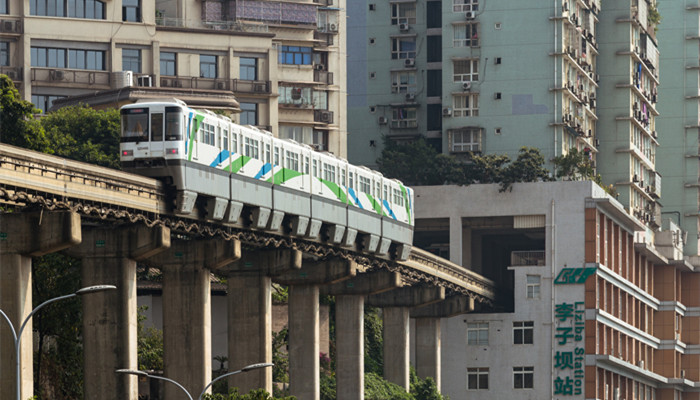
237,164
375,204
404,193
196,121
335,189
284,175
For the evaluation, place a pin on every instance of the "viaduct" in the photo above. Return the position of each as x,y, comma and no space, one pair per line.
112,220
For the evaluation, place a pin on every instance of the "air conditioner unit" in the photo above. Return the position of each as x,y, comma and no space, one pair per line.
410,97
466,85
332,27
12,75
144,81
325,116
165,82
383,121
409,62
259,88
177,83
221,85
319,67
56,75
447,112
296,93
403,26
635,178
469,15
8,26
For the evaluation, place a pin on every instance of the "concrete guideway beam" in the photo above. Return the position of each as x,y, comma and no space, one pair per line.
414,296
323,272
23,235
365,284
110,318
268,262
187,309
450,307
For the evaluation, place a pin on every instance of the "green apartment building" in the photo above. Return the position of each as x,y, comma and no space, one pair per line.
493,76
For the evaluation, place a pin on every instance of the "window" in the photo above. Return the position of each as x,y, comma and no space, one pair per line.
73,58
320,100
364,184
532,287
4,54
300,134
403,82
208,134
320,140
523,332
249,114
523,377
291,161
404,117
295,95
131,10
207,66
248,68
465,140
89,9
466,70
329,172
86,59
250,148
477,378
48,57
131,60
478,333
403,47
43,102
296,55
398,198
465,5
465,105
3,7
403,13
466,35
168,63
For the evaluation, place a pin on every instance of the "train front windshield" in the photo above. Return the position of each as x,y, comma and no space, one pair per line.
134,125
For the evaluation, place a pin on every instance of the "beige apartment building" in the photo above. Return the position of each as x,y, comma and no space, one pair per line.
278,65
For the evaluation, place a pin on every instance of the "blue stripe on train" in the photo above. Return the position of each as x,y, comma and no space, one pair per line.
267,167
352,194
388,207
223,156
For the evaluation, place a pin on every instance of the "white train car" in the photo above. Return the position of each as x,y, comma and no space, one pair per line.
243,175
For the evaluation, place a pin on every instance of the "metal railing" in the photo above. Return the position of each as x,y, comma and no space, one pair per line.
530,257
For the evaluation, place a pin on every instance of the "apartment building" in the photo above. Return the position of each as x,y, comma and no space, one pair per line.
476,76
284,62
591,309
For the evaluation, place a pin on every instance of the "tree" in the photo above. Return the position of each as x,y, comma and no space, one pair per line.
528,167
418,163
17,124
84,134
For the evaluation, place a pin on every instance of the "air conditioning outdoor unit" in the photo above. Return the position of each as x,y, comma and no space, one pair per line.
403,26
319,67
221,85
325,116
332,27
447,112
469,15
409,62
56,75
165,82
383,121
144,81
466,85
12,75
410,97
259,88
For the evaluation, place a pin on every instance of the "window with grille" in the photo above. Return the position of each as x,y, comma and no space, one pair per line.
477,378
403,47
466,35
403,13
523,377
466,70
465,5
465,105
478,333
523,332
465,140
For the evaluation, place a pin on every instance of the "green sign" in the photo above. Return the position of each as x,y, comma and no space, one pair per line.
3,235
100,243
571,276
569,356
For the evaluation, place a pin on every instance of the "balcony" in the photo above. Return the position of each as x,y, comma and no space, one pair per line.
245,86
324,39
15,73
237,26
100,79
403,124
194,82
324,116
530,257
323,77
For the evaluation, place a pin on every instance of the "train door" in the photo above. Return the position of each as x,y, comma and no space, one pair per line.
157,127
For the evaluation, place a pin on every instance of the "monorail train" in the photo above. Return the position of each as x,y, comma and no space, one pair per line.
243,175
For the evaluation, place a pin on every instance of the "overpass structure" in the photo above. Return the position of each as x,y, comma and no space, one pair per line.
112,220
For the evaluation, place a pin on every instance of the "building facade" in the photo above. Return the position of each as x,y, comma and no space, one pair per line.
591,309
284,62
491,77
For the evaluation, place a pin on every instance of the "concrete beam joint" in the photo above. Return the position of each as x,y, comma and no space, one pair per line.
39,233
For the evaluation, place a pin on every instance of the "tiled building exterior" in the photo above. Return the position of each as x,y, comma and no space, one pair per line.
284,62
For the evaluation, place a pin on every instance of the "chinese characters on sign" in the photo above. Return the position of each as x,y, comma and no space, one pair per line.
569,354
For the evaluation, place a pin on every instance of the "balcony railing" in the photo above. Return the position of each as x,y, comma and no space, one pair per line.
61,76
245,86
323,77
238,26
403,124
325,38
193,82
15,73
530,257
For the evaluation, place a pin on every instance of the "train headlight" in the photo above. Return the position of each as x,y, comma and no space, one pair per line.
171,151
127,153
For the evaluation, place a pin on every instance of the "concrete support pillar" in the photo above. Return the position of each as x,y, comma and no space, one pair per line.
350,347
396,346
456,244
110,318
250,329
22,236
304,378
428,348
186,270
16,302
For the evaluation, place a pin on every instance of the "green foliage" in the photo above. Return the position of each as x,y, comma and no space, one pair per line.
374,344
84,134
280,294
528,167
377,388
426,390
574,166
58,361
150,344
257,394
280,357
328,387
653,16
17,124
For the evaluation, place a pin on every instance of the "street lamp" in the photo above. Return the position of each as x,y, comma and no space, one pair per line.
146,374
17,336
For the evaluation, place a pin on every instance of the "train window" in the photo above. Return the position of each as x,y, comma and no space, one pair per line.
292,160
267,153
234,142
225,138
378,189
306,165
134,125
386,192
398,199
157,127
352,181
329,172
251,148
315,168
173,123
364,184
342,176
277,156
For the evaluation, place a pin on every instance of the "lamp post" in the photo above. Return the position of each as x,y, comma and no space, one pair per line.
17,336
147,375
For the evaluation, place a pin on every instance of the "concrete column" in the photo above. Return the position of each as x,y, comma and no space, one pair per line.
304,378
428,348
16,302
396,346
456,244
250,329
350,347
23,235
